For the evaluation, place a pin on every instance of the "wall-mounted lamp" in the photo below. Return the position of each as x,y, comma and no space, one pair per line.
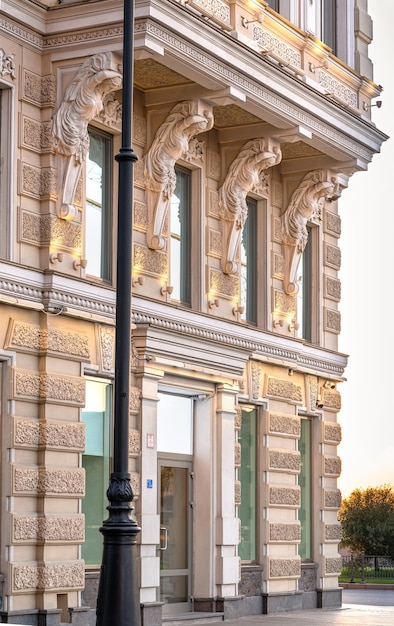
329,384
56,257
238,309
276,323
293,325
367,106
324,64
138,280
259,19
166,289
213,302
81,263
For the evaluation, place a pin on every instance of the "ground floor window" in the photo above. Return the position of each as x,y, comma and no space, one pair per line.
96,461
247,437
305,483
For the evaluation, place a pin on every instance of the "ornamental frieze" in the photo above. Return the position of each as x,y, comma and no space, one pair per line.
285,461
55,435
285,568
32,338
282,424
49,576
49,387
48,528
284,533
286,389
285,496
49,481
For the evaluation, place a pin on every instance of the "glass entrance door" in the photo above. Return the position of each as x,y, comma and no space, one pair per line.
175,535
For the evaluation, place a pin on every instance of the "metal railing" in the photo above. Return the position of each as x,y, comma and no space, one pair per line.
364,568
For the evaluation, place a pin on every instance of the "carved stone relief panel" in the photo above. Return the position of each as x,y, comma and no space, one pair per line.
106,346
285,389
332,288
48,481
285,303
332,433
48,528
256,380
140,215
278,266
332,224
331,399
135,480
223,284
284,424
284,533
332,466
333,565
332,532
7,63
332,256
312,392
36,135
213,203
215,243
213,164
36,182
134,442
332,320
332,499
285,496
285,568
51,435
38,90
284,461
30,338
150,261
54,388
52,576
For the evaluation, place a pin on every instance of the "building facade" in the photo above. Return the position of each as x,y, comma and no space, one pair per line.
249,118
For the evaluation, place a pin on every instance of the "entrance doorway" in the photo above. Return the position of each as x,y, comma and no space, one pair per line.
175,534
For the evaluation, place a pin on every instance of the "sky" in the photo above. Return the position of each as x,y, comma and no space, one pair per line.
367,330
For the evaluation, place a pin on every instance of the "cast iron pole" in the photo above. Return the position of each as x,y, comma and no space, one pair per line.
118,596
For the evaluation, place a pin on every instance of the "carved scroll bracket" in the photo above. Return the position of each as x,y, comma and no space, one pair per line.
244,174
83,100
172,141
305,204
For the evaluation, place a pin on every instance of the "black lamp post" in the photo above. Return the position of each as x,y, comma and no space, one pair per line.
118,595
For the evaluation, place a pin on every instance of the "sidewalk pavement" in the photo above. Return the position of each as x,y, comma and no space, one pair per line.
359,608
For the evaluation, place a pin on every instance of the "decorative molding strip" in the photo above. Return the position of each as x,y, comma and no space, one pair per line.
21,33
50,576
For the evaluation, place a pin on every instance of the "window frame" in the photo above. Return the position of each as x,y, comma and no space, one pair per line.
107,218
185,240
308,303
306,419
6,165
251,409
250,237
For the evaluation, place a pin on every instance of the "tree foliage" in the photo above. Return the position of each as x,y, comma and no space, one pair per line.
367,518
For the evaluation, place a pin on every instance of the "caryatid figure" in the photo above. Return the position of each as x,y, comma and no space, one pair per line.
83,100
184,122
304,205
243,175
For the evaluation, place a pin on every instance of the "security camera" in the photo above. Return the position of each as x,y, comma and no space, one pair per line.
378,103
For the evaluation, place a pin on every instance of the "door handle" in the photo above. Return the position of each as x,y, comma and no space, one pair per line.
163,538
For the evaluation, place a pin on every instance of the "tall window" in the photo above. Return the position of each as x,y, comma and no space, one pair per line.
180,237
249,263
328,25
96,461
305,291
98,230
305,483
247,437
274,4
5,162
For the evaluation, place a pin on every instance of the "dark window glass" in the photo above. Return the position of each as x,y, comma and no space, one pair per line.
247,437
249,263
305,483
180,237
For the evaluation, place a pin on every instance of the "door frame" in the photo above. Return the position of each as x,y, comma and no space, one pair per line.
186,462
